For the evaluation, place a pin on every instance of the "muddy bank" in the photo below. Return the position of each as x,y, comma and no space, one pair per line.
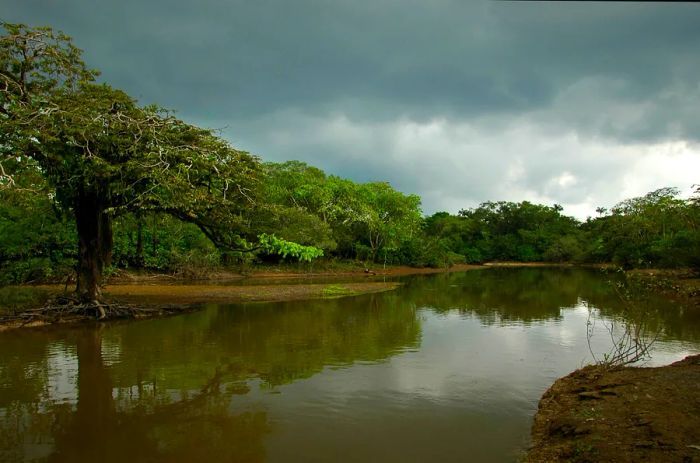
626,414
154,300
199,294
275,273
621,415
146,295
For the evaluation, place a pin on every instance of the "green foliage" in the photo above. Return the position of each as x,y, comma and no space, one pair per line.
101,155
564,249
161,242
506,231
89,178
655,230
37,242
362,221
273,245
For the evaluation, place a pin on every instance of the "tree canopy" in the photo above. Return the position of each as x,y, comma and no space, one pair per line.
103,155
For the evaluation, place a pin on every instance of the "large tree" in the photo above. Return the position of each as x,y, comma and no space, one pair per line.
104,155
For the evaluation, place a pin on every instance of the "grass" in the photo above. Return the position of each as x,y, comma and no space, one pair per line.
337,291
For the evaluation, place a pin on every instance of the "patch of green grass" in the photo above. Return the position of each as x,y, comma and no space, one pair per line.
336,291
15,299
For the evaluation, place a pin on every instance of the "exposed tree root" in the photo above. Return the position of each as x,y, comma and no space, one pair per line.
66,308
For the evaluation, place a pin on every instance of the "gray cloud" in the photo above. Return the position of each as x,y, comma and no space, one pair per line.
542,100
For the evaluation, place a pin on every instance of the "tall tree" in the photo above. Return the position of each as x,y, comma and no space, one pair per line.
385,217
104,155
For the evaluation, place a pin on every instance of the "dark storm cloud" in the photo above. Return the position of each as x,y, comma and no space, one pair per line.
240,59
458,101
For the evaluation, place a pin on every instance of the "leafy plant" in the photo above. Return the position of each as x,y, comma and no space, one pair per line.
273,245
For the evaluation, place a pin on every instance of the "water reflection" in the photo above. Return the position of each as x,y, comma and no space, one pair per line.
505,295
524,295
162,390
449,367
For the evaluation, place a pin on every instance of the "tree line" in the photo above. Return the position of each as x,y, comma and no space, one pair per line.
90,180
658,229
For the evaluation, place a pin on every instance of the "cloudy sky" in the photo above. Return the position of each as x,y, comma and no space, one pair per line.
578,103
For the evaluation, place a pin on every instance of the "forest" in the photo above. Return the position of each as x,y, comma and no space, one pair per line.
91,182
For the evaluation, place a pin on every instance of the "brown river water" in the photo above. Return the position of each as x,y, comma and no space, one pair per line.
449,367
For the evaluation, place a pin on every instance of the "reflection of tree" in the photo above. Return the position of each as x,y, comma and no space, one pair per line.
163,389
198,427
277,343
657,313
504,295
510,295
22,361
92,432
523,295
169,395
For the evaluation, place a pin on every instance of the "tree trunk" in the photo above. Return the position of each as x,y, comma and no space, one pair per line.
94,227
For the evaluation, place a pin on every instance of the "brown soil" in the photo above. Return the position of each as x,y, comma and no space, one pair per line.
621,415
529,264
626,414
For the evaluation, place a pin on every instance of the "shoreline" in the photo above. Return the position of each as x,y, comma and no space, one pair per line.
141,296
156,294
271,273
624,414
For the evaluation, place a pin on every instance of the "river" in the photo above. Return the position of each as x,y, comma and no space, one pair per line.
449,367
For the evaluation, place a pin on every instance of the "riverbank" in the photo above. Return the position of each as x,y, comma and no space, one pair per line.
148,295
622,415
139,301
626,414
279,272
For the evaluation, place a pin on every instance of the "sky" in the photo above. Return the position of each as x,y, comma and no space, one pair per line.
581,104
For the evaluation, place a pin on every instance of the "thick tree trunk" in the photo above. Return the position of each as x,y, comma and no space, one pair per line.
94,245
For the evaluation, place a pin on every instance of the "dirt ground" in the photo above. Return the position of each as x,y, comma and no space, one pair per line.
621,415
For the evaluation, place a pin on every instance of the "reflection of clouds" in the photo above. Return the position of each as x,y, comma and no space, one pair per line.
473,366
62,367
111,351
